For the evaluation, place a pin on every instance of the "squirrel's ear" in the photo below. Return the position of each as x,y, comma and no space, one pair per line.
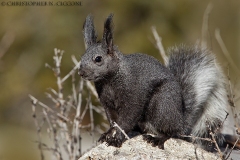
89,33
107,40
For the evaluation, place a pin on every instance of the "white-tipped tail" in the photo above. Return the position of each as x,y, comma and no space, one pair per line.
203,89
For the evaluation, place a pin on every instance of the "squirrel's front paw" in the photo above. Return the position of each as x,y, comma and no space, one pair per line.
113,137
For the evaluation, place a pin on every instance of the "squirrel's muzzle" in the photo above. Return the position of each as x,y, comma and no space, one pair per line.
81,71
84,72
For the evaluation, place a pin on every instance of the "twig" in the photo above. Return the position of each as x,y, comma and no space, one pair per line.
34,103
56,143
232,148
100,110
74,93
48,66
69,105
159,45
198,138
205,31
116,125
225,151
230,88
6,42
98,129
91,120
49,122
214,140
49,109
71,72
225,51
75,61
105,125
85,126
231,100
217,130
76,133
53,91
58,58
51,97
70,144
84,111
65,136
91,88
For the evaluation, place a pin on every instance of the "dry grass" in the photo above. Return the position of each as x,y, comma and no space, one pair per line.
64,118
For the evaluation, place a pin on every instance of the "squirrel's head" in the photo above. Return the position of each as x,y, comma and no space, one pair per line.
100,59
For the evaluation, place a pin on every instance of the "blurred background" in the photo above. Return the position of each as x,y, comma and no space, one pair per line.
29,34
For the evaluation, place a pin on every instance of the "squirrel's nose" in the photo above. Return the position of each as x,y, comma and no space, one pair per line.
81,72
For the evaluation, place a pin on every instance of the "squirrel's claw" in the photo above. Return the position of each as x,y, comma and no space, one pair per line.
113,137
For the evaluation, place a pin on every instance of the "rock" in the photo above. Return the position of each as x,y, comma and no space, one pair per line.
136,148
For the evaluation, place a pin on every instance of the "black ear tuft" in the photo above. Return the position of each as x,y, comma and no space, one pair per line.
107,40
89,33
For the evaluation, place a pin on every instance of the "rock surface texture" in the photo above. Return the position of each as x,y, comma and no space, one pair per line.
136,148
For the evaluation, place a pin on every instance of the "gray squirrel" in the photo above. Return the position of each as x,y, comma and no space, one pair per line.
186,97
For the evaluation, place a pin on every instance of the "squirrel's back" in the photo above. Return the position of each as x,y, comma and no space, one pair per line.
203,88
141,64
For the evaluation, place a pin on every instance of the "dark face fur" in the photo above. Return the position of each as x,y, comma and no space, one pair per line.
95,63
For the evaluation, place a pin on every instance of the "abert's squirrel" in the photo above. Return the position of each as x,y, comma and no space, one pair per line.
186,97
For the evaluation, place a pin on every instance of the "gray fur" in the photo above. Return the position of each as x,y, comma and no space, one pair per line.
138,92
89,33
203,86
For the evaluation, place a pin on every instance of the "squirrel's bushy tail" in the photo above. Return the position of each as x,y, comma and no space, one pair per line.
203,89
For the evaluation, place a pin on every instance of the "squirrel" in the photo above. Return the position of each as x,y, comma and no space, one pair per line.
185,97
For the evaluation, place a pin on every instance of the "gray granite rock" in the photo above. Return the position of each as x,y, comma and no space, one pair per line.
136,149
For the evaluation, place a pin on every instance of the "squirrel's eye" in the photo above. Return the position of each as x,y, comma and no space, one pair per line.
98,59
